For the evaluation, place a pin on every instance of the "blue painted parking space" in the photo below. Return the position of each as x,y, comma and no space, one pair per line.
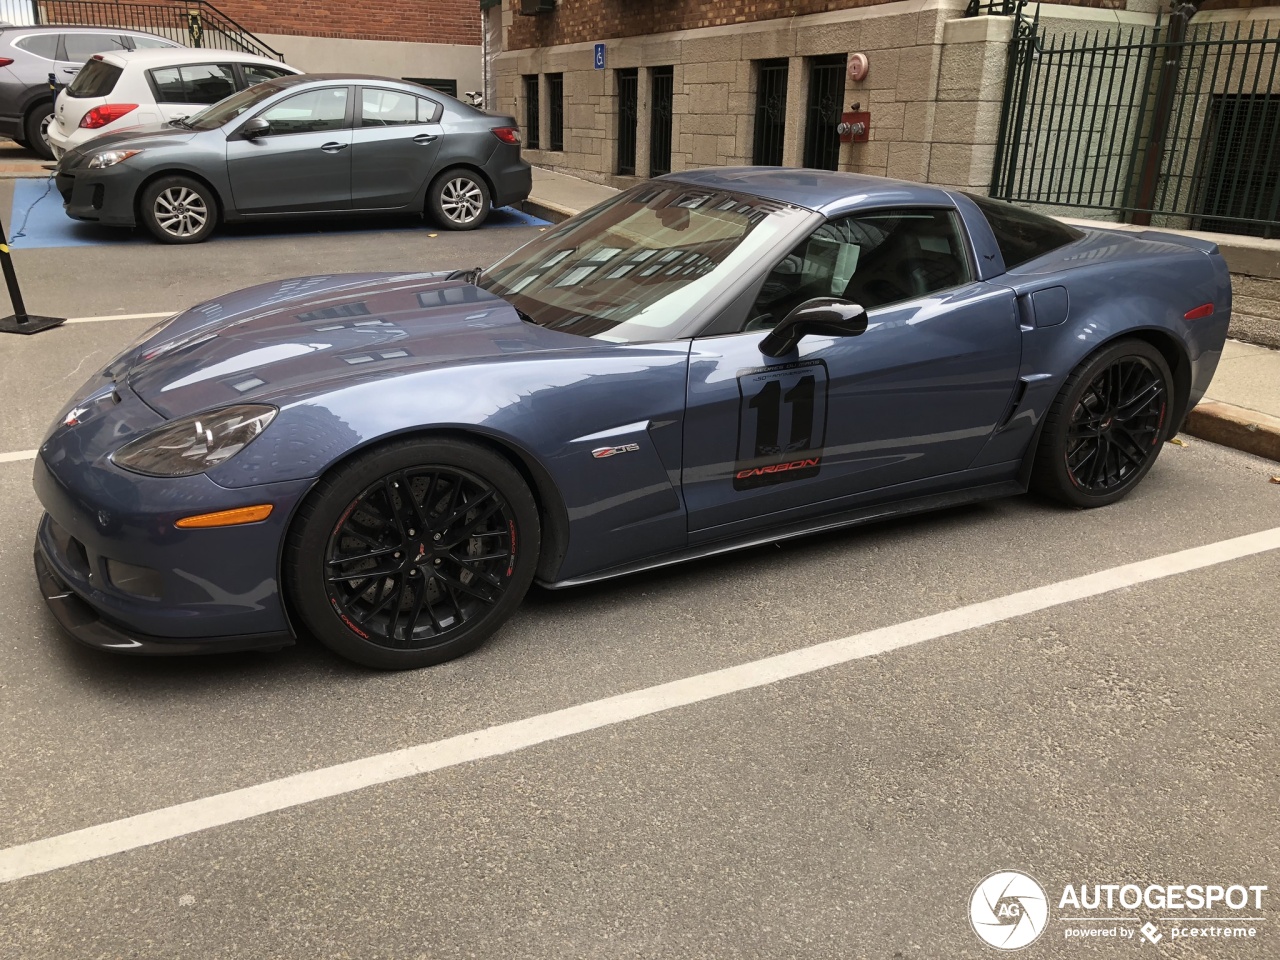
38,220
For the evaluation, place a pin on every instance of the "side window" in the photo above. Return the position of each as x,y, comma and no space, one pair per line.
208,82
309,112
1020,234
428,110
873,259
150,43
257,73
205,84
41,44
81,46
386,108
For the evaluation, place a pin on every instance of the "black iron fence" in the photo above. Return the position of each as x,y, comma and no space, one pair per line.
532,112
826,101
660,120
1176,124
628,120
771,113
195,23
555,111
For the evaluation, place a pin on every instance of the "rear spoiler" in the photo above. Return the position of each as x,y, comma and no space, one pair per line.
1195,243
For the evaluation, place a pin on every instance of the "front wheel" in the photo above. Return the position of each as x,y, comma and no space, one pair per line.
413,554
459,200
179,210
1105,428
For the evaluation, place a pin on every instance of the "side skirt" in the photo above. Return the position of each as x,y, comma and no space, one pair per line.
835,521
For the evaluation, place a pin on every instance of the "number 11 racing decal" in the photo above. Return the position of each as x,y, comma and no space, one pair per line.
782,423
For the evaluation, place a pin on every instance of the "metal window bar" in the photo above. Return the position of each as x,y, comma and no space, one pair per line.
771,113
826,103
660,124
628,120
532,117
196,23
555,110
1093,122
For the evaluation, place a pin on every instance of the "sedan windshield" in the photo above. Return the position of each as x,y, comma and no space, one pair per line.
226,110
638,267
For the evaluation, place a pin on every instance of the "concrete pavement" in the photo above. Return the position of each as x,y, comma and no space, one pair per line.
1241,409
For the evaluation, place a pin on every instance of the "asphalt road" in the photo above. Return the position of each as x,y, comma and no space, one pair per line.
1128,737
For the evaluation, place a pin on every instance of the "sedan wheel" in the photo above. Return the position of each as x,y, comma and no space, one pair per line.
459,200
414,554
179,210
1104,431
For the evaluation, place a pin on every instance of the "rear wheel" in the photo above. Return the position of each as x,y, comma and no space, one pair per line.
179,210
459,200
414,553
36,124
1105,428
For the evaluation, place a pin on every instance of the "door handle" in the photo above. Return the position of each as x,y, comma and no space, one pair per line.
71,70
425,138
334,147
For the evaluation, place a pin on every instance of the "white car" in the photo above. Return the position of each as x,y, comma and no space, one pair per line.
114,91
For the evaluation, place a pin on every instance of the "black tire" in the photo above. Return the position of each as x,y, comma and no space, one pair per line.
178,209
458,199
438,589
1105,429
34,130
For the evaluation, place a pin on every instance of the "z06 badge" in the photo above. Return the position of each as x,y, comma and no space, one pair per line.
601,452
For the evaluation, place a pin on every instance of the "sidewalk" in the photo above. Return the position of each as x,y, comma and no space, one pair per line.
1241,409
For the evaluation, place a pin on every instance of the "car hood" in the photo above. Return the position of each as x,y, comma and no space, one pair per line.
132,138
291,339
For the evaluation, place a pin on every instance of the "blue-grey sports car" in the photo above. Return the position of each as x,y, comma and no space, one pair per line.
707,361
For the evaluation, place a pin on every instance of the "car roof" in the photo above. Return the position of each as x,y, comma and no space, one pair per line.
826,191
175,56
78,28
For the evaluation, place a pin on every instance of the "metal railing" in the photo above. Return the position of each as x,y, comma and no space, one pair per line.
532,113
771,113
628,120
993,8
555,111
661,123
1176,124
195,23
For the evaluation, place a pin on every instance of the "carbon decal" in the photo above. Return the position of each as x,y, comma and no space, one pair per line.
782,423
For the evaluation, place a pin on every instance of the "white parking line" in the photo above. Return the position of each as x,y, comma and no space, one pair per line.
123,316
18,455
91,843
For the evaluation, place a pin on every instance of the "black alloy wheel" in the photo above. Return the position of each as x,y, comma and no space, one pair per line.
1105,429
420,563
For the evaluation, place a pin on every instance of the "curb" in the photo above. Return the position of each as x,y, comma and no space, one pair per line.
1238,427
546,210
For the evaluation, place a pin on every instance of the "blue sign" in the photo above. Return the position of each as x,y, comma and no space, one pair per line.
599,56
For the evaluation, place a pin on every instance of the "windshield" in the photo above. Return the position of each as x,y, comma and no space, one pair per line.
638,266
225,110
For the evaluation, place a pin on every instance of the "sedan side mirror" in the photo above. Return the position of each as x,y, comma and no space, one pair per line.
823,316
255,128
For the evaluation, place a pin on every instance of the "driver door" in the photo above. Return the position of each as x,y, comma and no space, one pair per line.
914,398
302,163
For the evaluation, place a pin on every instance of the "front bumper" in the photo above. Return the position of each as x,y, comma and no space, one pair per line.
99,196
77,618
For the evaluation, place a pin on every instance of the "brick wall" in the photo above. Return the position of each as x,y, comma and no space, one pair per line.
422,21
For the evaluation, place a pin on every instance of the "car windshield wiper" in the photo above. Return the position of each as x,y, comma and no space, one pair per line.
181,122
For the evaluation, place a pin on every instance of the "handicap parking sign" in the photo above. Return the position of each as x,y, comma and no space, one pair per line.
599,56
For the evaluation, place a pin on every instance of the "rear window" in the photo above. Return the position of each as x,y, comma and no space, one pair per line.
204,83
1021,234
97,79
42,45
80,47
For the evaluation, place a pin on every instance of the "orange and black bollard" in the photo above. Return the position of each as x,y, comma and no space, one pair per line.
20,321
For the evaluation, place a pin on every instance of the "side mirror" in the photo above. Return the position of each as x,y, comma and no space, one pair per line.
255,128
824,316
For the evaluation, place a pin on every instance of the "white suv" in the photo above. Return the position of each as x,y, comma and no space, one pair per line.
129,89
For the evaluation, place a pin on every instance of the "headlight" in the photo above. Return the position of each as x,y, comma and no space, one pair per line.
195,444
110,158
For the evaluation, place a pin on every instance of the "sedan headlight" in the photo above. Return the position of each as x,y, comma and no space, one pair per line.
195,444
110,158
